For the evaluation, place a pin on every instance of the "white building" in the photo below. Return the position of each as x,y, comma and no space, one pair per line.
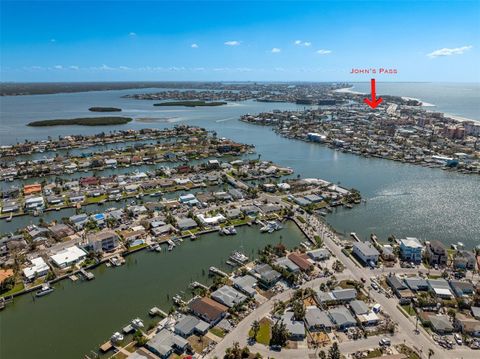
37,269
68,257
211,221
366,252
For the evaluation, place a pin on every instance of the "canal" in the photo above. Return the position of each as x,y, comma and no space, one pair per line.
79,316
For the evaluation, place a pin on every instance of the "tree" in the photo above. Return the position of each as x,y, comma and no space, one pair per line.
322,354
334,352
298,310
255,329
279,334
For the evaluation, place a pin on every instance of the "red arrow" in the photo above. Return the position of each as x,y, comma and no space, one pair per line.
374,102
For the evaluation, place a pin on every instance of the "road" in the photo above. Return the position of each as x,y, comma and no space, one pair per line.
405,333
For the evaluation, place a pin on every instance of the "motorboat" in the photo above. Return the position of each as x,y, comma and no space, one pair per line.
46,289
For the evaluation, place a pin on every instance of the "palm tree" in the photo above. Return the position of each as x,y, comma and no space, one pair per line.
255,329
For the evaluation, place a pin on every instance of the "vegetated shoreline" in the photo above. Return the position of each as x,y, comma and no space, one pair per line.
104,109
82,121
190,103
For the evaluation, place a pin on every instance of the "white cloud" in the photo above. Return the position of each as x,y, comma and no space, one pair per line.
324,52
123,68
73,67
194,46
132,34
449,51
232,43
58,67
302,43
276,50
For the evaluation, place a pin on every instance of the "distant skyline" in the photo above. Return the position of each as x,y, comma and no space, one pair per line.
239,40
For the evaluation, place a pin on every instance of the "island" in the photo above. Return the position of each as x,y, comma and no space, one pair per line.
105,109
83,121
190,103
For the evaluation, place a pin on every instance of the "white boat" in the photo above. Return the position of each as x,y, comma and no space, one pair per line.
46,289
230,230
116,337
137,323
239,257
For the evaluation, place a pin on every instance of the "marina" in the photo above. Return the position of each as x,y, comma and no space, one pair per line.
150,284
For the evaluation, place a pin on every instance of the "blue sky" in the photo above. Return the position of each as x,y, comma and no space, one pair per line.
239,40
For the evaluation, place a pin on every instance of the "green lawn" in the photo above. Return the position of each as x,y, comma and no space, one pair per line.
17,288
218,332
264,334
409,310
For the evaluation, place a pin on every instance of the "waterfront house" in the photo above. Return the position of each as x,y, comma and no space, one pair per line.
250,210
270,208
319,254
34,203
188,199
366,252
267,275
295,328
10,206
102,241
287,264
245,284
68,257
60,231
436,253
208,309
228,296
301,260
38,268
464,260
79,220
164,343
185,223
411,250
233,213
188,325
342,318
316,319
211,221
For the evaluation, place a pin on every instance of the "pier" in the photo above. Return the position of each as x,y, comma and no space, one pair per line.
157,311
215,270
87,275
195,284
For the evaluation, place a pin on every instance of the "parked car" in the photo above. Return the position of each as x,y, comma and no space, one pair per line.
385,342
458,338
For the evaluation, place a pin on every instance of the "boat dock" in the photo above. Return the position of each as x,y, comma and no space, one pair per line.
105,347
354,236
157,311
217,271
194,285
87,275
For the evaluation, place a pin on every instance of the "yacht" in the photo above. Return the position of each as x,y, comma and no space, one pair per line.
137,323
239,257
230,230
116,337
46,289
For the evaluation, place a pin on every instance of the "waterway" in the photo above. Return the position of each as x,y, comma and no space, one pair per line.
402,199
80,316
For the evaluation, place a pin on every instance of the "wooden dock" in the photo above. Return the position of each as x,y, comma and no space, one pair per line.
157,311
217,271
87,275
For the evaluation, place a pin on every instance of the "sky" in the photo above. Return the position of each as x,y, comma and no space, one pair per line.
239,40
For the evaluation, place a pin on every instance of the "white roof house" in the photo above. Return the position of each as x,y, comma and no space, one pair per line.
209,221
37,269
68,256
